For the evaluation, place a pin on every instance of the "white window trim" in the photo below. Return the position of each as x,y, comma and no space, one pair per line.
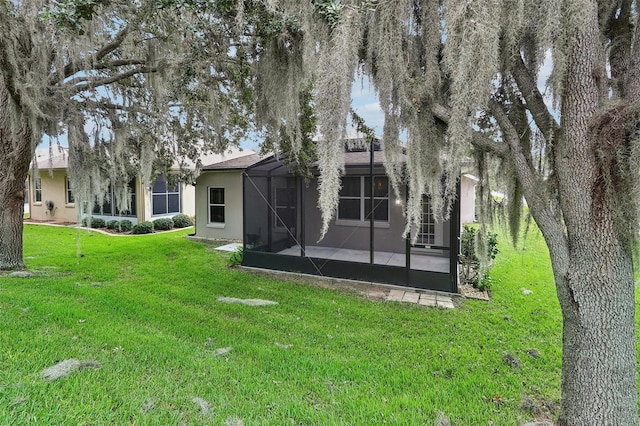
37,202
363,198
67,192
211,224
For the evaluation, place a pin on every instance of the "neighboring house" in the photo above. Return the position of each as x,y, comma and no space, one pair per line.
219,198
52,197
468,198
280,223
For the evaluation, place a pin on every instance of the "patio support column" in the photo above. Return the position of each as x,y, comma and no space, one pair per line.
269,212
454,245
371,198
244,211
407,250
303,243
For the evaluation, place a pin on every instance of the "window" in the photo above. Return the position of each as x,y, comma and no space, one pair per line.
285,206
165,196
109,206
427,228
216,205
69,193
37,190
355,202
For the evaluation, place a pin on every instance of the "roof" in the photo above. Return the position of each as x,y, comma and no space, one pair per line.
238,163
210,158
58,158
354,159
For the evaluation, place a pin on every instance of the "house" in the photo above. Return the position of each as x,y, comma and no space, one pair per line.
219,198
280,223
52,196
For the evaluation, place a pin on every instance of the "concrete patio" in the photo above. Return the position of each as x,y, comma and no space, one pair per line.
425,299
419,261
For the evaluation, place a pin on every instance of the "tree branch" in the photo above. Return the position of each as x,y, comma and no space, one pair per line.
120,63
73,68
94,82
535,102
538,201
441,112
485,143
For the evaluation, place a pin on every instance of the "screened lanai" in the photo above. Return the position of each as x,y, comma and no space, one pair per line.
281,226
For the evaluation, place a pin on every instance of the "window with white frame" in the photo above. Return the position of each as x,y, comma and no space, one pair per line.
427,229
216,205
165,196
37,190
355,198
69,198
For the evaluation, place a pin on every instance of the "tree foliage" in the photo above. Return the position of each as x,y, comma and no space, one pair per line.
461,78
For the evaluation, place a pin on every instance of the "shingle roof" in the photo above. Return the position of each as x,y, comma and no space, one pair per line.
58,159
238,163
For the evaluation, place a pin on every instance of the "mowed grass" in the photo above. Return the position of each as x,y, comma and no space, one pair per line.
146,309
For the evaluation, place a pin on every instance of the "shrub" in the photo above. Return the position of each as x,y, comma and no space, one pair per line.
236,258
125,226
96,222
142,228
163,224
182,221
474,268
112,224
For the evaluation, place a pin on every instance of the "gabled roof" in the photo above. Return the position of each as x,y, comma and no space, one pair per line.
58,159
238,163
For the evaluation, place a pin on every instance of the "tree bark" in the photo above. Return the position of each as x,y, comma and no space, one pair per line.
596,288
16,152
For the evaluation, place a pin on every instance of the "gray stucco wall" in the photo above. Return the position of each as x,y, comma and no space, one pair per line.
231,181
388,236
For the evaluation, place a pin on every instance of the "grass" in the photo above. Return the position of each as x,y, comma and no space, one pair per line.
145,308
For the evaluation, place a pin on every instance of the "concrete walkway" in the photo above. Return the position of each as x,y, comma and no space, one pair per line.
426,299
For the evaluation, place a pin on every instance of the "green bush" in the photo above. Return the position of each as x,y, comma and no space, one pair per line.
112,224
236,258
125,226
96,222
163,224
142,228
473,268
182,221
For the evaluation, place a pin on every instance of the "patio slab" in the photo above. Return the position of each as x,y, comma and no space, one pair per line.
419,261
424,299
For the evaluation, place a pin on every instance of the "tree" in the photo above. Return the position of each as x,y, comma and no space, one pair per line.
131,84
460,78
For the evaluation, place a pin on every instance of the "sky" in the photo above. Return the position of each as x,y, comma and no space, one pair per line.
365,103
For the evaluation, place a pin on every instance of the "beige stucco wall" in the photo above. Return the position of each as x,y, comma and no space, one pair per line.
53,189
467,199
231,181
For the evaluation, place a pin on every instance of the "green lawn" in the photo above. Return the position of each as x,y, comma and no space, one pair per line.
145,308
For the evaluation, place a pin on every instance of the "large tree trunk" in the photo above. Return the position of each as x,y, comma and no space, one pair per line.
595,279
599,354
16,152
